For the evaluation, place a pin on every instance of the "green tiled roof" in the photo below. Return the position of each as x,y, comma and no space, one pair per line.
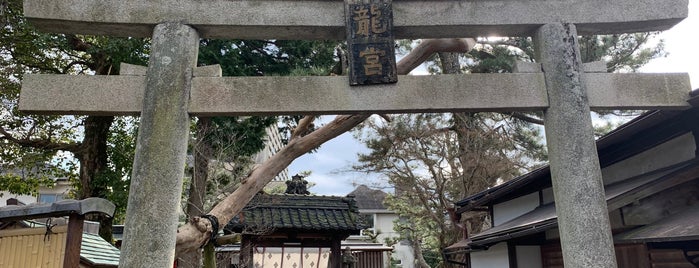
97,251
298,212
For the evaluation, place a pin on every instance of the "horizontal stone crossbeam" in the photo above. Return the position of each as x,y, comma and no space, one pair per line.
109,95
324,19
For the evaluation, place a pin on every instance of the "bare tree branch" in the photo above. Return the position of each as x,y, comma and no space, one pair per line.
427,47
385,117
303,127
526,118
43,144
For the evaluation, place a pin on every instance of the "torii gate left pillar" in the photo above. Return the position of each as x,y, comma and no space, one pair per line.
161,149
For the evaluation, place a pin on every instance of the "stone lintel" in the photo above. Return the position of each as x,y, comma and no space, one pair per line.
535,67
635,91
132,69
208,71
122,95
526,67
332,95
308,19
595,67
82,94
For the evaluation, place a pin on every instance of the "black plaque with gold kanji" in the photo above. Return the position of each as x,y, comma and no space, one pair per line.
370,43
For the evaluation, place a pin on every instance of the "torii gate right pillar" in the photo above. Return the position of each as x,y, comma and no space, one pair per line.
583,218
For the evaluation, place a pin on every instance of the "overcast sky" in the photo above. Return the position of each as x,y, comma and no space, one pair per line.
329,164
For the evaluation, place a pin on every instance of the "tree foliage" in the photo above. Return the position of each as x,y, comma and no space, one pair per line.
44,148
622,52
24,164
115,180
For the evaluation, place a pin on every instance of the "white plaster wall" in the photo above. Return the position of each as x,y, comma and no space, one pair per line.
495,257
671,152
506,211
273,143
528,256
383,223
403,252
547,195
61,187
26,199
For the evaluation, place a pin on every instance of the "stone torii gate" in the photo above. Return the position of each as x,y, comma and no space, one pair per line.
172,89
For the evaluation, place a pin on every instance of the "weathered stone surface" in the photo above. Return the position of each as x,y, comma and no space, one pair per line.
637,91
150,229
82,94
595,67
62,94
132,69
304,19
208,71
583,219
332,95
526,67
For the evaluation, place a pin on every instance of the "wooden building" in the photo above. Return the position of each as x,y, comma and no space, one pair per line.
294,229
54,246
650,169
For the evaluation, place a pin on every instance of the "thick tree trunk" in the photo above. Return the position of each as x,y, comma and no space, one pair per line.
197,189
451,230
93,161
450,62
93,149
202,156
105,231
417,252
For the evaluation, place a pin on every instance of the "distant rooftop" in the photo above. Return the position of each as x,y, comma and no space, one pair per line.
368,198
